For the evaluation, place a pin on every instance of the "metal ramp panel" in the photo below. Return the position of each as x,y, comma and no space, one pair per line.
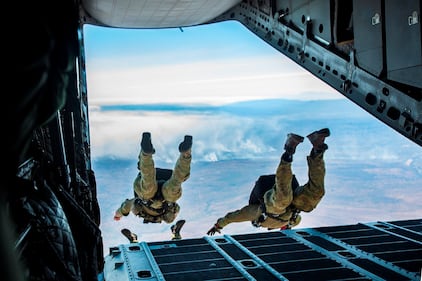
364,251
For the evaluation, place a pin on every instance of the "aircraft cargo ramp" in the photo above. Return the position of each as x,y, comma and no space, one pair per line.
365,251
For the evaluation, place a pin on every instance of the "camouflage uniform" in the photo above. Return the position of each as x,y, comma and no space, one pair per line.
280,202
148,204
277,203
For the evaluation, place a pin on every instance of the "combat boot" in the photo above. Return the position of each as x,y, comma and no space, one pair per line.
132,237
292,142
175,229
146,145
317,139
186,145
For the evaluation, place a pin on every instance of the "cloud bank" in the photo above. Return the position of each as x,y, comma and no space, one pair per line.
373,173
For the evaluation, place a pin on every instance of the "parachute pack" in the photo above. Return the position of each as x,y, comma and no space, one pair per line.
161,175
262,185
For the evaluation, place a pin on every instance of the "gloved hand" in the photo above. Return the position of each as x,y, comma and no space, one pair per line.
214,229
118,215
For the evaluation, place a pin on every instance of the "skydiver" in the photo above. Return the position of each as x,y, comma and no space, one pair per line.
156,196
276,200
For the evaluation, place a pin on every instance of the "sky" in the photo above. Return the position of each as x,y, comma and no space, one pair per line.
199,65
238,97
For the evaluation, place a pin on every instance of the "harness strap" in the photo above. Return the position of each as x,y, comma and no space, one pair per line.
265,215
295,214
147,204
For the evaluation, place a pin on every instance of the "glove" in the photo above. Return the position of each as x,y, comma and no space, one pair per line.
214,229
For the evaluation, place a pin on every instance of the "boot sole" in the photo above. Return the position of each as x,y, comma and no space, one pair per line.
129,235
178,226
325,132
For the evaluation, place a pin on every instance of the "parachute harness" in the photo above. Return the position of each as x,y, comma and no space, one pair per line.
265,215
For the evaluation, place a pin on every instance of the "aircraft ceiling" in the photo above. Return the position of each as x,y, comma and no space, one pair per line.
153,13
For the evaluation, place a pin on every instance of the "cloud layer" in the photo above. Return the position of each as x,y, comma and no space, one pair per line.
375,177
